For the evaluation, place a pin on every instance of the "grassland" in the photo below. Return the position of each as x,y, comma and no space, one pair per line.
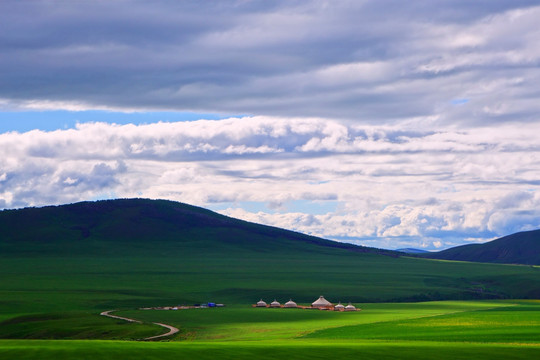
47,297
241,323
56,350
442,330
60,298
61,272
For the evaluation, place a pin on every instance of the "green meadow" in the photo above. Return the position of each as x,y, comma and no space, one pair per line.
245,323
39,349
58,275
50,306
442,330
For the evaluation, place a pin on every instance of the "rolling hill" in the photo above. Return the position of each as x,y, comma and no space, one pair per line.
100,227
519,248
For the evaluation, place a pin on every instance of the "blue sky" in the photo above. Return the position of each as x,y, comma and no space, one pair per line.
385,123
50,120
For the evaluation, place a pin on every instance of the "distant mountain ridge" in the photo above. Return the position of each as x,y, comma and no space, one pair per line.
519,248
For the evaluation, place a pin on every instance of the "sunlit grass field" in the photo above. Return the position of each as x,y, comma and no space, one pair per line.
55,350
246,323
442,330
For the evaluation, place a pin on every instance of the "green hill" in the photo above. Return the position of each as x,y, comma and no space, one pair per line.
519,248
62,265
125,225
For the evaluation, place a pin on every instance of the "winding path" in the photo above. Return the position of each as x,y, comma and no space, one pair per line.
172,329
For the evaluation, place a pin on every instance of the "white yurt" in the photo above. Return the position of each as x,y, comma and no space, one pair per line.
339,307
275,303
350,307
290,304
261,303
321,302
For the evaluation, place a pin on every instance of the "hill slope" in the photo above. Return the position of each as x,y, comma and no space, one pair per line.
92,227
519,248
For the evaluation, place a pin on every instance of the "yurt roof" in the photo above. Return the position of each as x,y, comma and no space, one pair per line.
321,301
350,307
290,303
275,302
261,302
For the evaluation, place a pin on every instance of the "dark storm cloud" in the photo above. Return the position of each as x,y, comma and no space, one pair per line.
371,60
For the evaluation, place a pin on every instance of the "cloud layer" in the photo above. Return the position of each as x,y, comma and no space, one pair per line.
384,186
452,61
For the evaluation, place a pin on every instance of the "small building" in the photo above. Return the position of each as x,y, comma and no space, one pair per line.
290,304
350,307
322,303
261,303
339,307
275,304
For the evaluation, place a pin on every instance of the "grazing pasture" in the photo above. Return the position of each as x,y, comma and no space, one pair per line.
442,330
245,323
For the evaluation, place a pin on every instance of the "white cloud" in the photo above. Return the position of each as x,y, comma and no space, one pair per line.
403,182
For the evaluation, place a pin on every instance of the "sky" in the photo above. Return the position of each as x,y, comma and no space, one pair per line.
382,123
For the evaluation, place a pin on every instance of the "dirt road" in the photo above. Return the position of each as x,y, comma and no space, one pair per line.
172,329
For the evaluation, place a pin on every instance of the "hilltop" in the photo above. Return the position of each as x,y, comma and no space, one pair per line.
92,227
518,248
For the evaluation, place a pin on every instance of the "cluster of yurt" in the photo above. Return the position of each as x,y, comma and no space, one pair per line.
341,307
276,304
321,303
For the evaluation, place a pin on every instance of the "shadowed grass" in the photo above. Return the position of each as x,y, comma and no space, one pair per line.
74,325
